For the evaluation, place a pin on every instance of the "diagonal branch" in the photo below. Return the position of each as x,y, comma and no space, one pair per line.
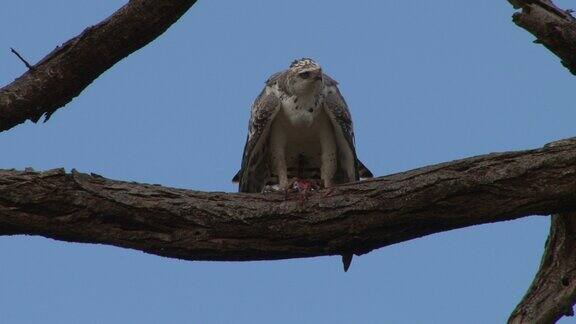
355,218
553,291
553,27
71,67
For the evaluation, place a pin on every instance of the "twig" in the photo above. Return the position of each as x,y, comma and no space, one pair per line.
30,67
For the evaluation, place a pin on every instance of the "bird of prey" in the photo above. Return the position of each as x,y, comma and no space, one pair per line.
300,128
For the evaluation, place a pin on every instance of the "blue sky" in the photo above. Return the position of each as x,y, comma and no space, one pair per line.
426,83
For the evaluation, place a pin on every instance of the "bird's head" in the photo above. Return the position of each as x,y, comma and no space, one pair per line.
304,76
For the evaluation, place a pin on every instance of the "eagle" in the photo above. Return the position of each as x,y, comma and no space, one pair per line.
300,128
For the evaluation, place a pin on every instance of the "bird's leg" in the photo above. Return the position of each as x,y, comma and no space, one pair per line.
328,192
328,155
283,184
278,157
328,165
282,177
279,165
327,174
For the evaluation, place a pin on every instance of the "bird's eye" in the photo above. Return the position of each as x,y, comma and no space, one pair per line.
304,75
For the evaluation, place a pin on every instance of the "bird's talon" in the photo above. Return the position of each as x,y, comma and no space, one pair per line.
328,192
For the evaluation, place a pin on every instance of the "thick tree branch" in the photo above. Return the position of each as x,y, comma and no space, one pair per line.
71,67
553,291
553,27
354,218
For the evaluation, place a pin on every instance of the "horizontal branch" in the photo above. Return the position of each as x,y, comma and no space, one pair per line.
354,218
553,27
71,67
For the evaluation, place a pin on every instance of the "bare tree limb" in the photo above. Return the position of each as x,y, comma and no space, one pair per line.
553,27
553,291
71,67
356,218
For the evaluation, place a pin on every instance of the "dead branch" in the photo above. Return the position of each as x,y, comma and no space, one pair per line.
553,27
71,67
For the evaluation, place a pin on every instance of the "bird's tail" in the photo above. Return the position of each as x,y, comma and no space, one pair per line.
347,260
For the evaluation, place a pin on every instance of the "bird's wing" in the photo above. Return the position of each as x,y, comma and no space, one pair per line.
255,169
337,110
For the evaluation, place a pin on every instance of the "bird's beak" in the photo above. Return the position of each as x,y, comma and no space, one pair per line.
317,75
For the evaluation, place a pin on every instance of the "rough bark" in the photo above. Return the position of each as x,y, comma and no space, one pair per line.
553,291
553,27
71,67
354,218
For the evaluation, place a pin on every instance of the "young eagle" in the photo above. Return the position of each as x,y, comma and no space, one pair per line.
300,128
